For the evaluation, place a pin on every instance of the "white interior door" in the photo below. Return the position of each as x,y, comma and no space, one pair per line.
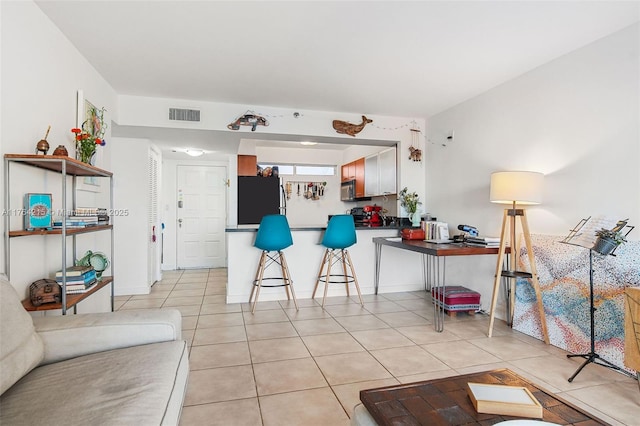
201,216
153,258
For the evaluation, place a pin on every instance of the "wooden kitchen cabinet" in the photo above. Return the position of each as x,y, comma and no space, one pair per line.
359,175
348,171
344,173
247,165
354,171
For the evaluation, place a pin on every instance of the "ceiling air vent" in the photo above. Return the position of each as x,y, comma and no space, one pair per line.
184,114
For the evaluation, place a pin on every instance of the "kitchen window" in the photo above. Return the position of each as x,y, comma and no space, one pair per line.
283,169
292,169
316,170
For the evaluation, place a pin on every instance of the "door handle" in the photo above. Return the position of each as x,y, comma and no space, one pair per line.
179,223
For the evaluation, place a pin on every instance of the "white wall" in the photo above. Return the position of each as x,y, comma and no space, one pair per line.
575,119
40,75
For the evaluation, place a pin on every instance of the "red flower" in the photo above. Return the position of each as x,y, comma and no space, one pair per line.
98,141
76,130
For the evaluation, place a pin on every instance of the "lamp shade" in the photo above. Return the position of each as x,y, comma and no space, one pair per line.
519,187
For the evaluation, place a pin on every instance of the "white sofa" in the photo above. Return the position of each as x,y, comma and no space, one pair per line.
117,368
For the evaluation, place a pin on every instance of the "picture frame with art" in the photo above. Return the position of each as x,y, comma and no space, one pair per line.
86,119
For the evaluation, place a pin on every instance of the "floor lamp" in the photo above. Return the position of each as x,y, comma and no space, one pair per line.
516,188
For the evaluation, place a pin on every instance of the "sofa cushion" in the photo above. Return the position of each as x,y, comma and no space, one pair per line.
140,385
21,349
71,336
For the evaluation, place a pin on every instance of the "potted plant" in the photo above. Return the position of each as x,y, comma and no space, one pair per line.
90,135
608,240
410,202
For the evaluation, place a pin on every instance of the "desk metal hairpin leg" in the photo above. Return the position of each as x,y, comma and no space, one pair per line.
428,267
376,271
438,287
425,268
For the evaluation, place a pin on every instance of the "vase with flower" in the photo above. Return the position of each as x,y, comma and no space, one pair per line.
90,135
410,201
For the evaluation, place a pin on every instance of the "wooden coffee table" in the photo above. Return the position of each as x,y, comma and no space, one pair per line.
446,402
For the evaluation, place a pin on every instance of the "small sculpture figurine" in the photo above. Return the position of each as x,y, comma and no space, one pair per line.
416,154
43,145
61,150
349,128
248,119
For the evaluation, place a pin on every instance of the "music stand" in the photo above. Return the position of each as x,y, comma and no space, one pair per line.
577,237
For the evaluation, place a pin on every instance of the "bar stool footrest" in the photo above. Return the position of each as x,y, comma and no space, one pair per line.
256,283
350,279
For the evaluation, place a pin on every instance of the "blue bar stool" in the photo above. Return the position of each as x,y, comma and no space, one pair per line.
340,234
274,235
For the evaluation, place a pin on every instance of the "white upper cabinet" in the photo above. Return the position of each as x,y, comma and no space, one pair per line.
380,173
387,171
371,180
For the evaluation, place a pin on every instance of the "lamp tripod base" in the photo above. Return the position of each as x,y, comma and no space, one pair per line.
594,358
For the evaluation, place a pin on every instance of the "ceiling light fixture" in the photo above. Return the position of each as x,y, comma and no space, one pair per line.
194,152
307,143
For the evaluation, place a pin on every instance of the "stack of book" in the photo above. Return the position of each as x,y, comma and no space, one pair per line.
483,241
98,212
80,279
437,231
73,223
83,217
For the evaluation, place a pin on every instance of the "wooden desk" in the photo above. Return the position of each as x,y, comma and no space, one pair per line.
445,401
434,258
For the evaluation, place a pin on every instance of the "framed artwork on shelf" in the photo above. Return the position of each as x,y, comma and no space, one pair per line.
88,119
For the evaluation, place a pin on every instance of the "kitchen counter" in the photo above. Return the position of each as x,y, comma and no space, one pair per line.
254,228
304,257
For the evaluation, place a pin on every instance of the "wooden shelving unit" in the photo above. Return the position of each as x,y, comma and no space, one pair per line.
72,231
58,163
65,166
72,299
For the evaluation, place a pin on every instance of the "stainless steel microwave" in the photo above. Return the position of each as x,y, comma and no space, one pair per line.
348,190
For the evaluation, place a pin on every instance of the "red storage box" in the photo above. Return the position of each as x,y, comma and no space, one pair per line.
456,298
412,234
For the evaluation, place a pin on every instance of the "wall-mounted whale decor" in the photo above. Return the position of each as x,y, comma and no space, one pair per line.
349,128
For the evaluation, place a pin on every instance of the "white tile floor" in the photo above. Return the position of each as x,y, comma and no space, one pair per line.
282,367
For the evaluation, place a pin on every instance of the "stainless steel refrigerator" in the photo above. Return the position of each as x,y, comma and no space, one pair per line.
259,196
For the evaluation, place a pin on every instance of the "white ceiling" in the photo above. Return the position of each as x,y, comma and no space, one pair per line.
395,58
